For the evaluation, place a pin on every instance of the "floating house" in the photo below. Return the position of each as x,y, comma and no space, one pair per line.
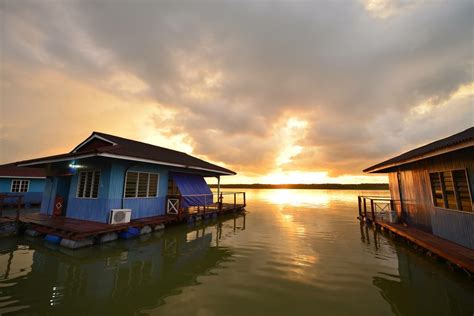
431,187
112,180
24,182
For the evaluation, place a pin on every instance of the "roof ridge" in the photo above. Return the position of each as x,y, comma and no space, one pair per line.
137,141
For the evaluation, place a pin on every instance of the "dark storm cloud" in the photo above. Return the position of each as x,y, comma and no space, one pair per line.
233,72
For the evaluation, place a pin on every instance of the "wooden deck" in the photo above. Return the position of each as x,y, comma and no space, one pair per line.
77,229
7,219
461,256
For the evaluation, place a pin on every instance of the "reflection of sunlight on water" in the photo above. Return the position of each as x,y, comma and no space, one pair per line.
292,197
298,260
16,263
312,198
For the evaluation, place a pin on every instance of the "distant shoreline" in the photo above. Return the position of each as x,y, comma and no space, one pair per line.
322,186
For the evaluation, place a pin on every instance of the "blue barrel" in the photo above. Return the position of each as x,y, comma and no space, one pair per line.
129,233
53,239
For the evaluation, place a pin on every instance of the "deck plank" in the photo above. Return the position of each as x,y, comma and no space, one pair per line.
455,253
77,229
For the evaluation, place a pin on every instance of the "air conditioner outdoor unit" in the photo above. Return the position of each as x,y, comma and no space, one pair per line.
120,216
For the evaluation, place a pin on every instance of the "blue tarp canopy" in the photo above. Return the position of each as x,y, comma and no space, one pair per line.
193,189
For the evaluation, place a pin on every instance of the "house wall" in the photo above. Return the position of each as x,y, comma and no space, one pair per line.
418,207
34,194
141,207
36,185
111,191
92,209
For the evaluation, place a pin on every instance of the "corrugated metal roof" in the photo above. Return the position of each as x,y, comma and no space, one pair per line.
134,149
456,139
11,170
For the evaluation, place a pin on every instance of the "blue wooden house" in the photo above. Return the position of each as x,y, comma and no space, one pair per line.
106,173
21,181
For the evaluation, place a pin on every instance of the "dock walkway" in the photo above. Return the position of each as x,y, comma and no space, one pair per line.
377,210
461,256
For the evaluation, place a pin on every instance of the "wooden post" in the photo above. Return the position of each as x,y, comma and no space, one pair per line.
235,200
360,206
181,214
245,200
218,186
221,198
392,206
365,209
20,198
372,210
1,205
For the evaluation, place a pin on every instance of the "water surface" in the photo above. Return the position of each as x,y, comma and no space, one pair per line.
296,252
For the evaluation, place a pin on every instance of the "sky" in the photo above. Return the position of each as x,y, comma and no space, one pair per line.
278,91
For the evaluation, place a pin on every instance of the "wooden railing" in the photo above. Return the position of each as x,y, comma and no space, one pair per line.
211,202
374,208
17,204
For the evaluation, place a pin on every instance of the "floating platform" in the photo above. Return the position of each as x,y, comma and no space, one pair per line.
77,230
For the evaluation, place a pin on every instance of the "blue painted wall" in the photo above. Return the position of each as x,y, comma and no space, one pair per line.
110,192
36,185
141,207
34,194
93,209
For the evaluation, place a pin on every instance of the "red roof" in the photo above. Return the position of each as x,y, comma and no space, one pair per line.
11,170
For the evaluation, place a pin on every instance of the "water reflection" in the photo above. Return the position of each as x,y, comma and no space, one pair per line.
416,288
281,259
308,197
122,277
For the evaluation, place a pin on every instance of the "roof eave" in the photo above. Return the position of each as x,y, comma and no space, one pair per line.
20,177
384,167
61,158
50,159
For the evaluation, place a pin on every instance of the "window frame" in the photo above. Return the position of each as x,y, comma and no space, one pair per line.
136,185
21,181
94,171
439,174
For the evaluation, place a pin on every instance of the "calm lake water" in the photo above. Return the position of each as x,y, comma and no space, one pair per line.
296,252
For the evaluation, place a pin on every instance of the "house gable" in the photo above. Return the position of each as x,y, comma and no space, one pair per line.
93,142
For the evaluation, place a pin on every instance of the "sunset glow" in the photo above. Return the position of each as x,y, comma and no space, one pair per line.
306,106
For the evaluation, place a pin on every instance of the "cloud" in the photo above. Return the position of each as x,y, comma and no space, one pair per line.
225,78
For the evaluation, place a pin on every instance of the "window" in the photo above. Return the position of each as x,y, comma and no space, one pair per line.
88,184
20,185
141,184
450,190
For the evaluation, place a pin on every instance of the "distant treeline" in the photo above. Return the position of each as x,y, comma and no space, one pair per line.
322,186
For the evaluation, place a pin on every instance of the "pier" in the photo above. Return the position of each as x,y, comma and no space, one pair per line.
378,212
